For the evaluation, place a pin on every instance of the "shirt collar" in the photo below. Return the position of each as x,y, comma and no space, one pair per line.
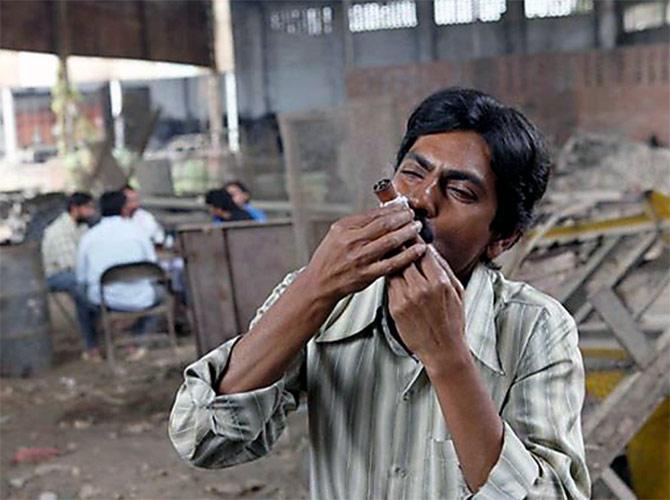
355,313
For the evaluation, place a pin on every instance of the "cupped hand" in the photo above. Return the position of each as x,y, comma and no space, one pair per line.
360,248
426,304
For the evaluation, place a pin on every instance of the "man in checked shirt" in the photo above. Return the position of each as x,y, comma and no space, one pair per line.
428,373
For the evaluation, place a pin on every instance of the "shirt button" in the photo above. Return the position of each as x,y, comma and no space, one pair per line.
399,471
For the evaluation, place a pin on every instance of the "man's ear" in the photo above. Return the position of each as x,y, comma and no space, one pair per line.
498,245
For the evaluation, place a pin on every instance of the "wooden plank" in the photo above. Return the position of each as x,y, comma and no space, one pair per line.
622,324
574,288
611,425
630,259
210,289
617,486
260,257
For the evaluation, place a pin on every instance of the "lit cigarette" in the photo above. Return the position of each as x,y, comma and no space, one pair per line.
387,194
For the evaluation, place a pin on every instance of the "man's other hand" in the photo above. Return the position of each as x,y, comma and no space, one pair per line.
426,303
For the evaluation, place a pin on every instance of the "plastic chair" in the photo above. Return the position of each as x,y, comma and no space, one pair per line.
125,273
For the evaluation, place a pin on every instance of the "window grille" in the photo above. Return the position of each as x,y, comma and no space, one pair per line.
556,8
372,16
646,15
312,21
468,11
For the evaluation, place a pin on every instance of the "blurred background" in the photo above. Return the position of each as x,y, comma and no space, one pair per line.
305,102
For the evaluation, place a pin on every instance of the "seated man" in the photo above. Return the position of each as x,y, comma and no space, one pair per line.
242,198
60,241
223,208
115,240
144,220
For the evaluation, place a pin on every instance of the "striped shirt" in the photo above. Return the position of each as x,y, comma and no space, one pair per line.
59,244
376,427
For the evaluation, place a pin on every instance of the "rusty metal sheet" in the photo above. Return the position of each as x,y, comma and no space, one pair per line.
135,30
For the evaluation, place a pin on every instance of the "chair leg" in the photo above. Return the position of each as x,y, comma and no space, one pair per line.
170,321
109,341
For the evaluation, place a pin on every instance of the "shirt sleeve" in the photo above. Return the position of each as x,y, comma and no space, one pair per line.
543,449
215,431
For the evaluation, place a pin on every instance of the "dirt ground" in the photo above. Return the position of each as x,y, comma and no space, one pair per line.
111,435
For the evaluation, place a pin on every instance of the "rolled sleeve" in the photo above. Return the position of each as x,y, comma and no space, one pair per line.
514,473
213,431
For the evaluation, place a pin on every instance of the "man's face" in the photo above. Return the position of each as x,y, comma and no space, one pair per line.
448,178
132,202
83,213
238,196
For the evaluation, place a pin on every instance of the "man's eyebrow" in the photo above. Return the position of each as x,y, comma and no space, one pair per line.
460,175
449,174
421,160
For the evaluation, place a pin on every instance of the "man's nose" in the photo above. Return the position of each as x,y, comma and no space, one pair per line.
423,196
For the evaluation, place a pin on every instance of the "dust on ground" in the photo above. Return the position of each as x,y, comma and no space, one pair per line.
111,435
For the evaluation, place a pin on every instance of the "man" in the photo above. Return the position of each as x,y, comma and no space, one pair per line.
222,207
144,220
242,198
59,244
114,240
428,374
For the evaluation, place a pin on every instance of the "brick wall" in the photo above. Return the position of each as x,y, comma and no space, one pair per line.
625,91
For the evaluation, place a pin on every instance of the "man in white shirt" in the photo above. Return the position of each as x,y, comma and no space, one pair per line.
115,240
144,220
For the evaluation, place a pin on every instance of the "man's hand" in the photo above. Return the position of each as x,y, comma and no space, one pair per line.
361,248
426,303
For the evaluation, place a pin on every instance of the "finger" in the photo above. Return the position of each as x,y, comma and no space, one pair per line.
384,224
365,218
377,249
397,262
434,264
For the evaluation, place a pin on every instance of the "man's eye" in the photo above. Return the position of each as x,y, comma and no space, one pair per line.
411,173
461,193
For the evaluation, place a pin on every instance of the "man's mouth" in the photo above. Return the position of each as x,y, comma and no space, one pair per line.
426,232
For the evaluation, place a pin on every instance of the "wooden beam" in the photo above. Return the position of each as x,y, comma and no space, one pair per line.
622,324
630,259
617,486
611,425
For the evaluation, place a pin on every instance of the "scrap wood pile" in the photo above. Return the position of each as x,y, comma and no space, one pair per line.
605,254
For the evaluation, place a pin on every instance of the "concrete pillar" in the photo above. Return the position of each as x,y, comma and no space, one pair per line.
232,120
9,124
250,38
607,24
425,31
514,21
116,103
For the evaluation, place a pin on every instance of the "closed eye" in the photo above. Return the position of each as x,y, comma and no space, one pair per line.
411,173
462,194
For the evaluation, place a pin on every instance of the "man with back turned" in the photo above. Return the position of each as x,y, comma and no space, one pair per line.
428,374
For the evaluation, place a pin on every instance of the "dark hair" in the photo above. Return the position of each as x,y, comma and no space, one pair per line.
239,184
78,199
220,199
519,158
111,203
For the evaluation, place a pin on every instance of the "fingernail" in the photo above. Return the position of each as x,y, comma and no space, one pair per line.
418,226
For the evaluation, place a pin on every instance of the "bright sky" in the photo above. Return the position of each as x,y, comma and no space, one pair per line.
33,69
